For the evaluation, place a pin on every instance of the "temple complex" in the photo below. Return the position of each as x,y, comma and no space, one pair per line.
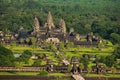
51,34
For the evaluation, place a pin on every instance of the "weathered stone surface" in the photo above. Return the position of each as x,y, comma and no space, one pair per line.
36,26
62,26
49,22
71,30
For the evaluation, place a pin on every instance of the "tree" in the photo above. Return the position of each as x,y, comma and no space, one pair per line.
37,63
108,60
117,52
100,59
6,57
115,38
26,55
69,45
52,47
61,46
85,62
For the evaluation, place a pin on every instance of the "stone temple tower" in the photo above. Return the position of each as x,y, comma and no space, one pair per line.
36,25
62,26
36,30
49,22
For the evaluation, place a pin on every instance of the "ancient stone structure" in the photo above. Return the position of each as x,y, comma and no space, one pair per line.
50,66
49,22
100,69
75,64
62,26
51,34
22,33
36,26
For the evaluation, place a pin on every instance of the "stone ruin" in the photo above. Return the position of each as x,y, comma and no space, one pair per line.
75,65
50,33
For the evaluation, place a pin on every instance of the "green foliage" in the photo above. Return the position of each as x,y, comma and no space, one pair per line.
115,38
37,63
97,16
117,52
85,62
19,64
69,45
43,73
6,57
26,55
69,68
81,66
61,46
52,47
109,61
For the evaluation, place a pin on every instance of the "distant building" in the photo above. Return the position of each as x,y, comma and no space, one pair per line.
51,34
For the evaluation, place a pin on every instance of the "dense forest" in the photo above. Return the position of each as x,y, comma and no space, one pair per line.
101,17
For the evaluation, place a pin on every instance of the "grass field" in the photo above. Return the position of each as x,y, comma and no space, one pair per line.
31,73
59,74
19,73
104,75
68,53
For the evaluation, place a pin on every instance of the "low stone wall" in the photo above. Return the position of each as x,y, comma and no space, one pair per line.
34,69
23,69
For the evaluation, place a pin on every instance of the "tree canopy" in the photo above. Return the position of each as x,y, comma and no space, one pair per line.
6,57
97,16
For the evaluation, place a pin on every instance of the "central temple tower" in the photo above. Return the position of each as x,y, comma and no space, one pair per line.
49,22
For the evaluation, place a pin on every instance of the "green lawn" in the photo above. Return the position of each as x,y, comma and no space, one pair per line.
78,51
105,75
31,73
59,74
19,73
56,74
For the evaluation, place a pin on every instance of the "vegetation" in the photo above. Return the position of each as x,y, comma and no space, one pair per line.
108,60
57,74
26,55
6,57
99,16
117,52
37,63
43,73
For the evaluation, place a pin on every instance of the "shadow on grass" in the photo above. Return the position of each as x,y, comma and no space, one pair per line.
11,72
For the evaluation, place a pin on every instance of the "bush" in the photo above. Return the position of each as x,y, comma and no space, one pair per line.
43,72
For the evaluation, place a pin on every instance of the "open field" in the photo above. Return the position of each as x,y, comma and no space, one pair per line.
59,74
